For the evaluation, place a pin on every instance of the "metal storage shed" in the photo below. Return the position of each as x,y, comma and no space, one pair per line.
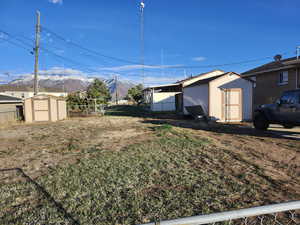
45,108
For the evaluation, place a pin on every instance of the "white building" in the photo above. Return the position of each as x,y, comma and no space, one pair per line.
162,98
169,97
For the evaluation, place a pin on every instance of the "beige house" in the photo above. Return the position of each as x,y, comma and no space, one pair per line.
273,78
42,108
226,97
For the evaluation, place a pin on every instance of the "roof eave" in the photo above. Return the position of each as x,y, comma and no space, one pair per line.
270,70
7,101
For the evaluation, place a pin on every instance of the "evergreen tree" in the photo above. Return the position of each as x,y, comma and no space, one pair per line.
136,94
98,90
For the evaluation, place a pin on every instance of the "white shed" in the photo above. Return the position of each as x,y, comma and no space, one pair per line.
225,98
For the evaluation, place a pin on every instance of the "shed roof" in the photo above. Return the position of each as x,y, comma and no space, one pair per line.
161,86
273,66
45,96
198,76
6,98
207,80
190,80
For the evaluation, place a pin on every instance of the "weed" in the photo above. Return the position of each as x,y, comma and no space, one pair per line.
156,179
72,144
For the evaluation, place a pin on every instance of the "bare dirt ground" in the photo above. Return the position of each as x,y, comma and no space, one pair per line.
37,147
255,157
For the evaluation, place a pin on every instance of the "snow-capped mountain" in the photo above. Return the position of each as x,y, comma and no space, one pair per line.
71,83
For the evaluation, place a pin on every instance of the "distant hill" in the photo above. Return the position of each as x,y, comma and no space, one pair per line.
66,83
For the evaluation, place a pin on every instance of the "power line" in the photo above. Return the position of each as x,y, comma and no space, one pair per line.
89,50
145,65
15,38
16,44
48,51
111,71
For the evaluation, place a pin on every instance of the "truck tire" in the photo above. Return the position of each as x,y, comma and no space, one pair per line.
260,122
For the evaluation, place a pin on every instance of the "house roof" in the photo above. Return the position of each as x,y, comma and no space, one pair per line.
207,80
274,66
190,80
6,98
162,86
198,76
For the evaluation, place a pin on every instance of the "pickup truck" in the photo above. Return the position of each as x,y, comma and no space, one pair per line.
285,111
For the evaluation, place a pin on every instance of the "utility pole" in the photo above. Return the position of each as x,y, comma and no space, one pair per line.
162,62
95,105
297,69
142,6
116,81
36,51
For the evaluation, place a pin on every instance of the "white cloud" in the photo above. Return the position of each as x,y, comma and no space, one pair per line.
136,67
56,1
154,79
199,59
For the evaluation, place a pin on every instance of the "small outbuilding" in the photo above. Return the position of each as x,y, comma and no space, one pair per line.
226,97
42,108
11,108
162,98
169,97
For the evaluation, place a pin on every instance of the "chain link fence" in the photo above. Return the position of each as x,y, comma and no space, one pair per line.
86,110
277,214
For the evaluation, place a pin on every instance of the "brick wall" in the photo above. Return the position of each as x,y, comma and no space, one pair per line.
268,89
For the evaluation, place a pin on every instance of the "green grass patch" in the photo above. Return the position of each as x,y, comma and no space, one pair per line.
164,178
127,110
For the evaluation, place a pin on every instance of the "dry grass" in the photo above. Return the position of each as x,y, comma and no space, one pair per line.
127,170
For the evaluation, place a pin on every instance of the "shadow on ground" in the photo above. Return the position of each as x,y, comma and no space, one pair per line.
44,193
187,122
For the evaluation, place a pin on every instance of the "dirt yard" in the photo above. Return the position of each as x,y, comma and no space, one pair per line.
36,147
257,167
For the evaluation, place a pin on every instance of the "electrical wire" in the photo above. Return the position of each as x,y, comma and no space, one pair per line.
87,49
146,65
115,58
16,44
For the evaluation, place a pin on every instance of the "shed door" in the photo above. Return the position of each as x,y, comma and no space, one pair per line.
61,110
232,105
179,102
40,110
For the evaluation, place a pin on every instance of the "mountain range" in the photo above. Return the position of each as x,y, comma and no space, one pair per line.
67,84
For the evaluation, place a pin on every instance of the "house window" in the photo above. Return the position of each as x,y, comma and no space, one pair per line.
283,77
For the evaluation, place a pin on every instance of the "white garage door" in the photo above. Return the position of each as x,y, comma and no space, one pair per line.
232,105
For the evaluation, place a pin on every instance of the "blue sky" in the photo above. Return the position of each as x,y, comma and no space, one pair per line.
187,33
